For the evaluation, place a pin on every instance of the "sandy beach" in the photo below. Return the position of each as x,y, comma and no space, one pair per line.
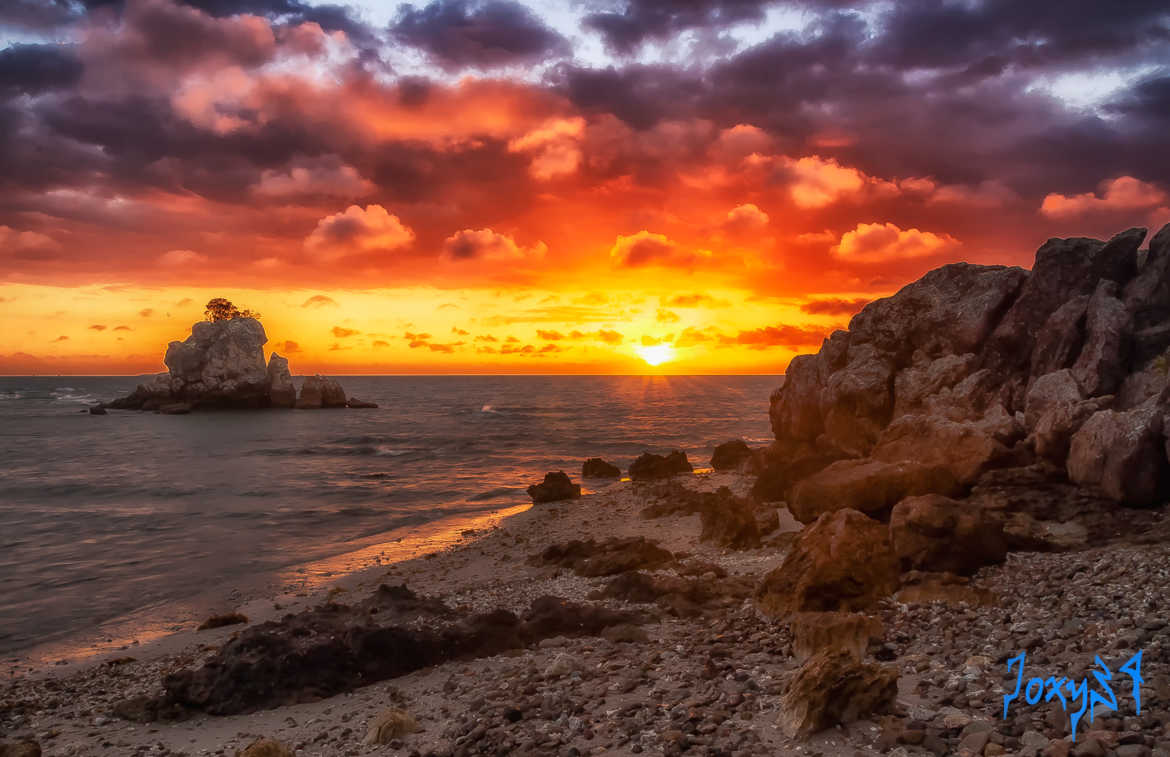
700,679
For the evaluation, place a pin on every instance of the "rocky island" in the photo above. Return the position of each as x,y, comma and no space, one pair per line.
975,470
221,366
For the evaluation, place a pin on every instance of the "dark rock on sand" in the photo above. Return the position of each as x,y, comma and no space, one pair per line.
595,467
176,408
97,410
266,748
730,455
649,466
320,392
357,404
678,595
390,724
833,688
219,621
935,533
844,561
334,648
726,519
606,558
556,486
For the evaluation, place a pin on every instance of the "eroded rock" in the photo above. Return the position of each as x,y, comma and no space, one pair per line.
557,486
833,688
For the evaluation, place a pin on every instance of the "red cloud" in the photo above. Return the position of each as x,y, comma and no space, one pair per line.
834,306
792,337
645,248
486,244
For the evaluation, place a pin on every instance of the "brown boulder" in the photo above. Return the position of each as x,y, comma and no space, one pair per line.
935,533
1104,360
606,558
1123,454
925,588
649,466
266,748
389,725
556,486
20,749
730,455
870,486
832,688
357,404
966,449
728,521
844,561
848,632
595,467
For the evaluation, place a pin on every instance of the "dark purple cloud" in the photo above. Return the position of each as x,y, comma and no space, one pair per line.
624,31
463,33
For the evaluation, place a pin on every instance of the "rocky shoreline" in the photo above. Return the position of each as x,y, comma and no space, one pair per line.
974,474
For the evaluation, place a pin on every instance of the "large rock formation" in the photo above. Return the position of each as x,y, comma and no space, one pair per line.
973,368
221,365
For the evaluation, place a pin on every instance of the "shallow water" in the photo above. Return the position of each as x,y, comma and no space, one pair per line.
101,516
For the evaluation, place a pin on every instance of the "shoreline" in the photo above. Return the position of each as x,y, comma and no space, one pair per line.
695,679
173,623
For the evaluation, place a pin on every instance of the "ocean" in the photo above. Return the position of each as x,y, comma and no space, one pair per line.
108,521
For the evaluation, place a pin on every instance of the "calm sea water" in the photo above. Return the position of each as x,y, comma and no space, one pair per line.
101,516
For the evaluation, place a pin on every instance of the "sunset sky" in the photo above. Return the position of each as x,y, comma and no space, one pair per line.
565,186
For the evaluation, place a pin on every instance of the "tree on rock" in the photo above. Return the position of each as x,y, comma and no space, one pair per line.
220,309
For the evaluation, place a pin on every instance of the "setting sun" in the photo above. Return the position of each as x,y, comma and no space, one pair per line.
656,355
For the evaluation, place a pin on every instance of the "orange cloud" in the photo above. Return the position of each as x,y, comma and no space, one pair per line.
792,337
12,240
314,180
834,306
373,229
182,257
817,181
319,301
342,333
486,244
884,242
1124,193
745,218
97,327
554,147
645,248
290,347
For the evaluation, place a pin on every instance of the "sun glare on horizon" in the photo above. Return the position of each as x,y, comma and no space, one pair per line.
657,354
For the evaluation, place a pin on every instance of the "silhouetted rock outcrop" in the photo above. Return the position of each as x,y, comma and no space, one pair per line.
595,467
973,368
556,486
730,455
221,365
649,466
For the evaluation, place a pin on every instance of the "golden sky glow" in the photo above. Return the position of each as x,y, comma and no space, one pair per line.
540,187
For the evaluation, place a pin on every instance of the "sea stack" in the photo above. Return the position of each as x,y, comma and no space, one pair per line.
221,365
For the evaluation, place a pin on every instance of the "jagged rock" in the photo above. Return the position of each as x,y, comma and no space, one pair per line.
320,392
1060,339
281,392
844,561
1102,364
607,558
678,595
1049,391
146,396
730,455
965,449
1055,429
355,403
556,486
595,467
649,466
390,724
917,385
870,486
775,481
176,408
832,688
935,533
97,410
848,632
1122,452
266,748
728,521
221,363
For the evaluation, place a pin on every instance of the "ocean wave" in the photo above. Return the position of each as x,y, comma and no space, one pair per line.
503,491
